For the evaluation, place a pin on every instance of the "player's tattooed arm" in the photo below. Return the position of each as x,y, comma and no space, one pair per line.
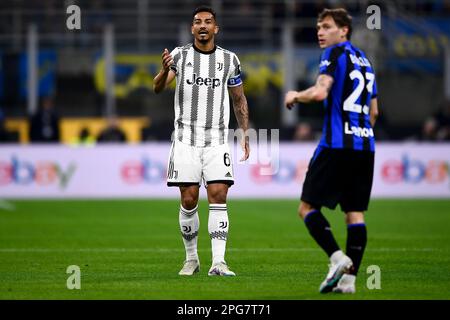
240,107
324,83
316,93
166,75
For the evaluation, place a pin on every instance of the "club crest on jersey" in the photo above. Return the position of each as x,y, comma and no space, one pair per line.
199,81
219,66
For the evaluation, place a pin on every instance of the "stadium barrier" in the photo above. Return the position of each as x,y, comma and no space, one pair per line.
402,170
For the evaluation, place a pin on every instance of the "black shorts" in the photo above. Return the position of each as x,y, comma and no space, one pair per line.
339,176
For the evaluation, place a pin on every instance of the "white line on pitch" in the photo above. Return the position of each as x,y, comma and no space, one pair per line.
5,250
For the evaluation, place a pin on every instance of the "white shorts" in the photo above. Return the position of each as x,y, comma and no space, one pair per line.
190,165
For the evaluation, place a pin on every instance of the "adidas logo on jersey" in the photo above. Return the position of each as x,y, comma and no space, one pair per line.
199,81
189,64
228,175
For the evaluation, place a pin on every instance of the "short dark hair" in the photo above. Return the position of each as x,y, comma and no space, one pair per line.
340,16
204,9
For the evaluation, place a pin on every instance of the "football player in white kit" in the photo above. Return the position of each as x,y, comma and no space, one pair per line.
206,74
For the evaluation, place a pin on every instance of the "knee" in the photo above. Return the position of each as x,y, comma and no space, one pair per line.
304,209
218,197
189,202
217,194
354,217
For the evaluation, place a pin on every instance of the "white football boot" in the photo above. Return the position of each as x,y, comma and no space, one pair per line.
220,269
346,284
190,267
340,265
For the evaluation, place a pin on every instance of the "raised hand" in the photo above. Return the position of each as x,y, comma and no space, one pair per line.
167,60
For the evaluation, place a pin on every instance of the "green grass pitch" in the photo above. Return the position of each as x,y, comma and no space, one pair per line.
132,249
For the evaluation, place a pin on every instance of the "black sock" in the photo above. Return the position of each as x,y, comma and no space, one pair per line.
320,230
356,243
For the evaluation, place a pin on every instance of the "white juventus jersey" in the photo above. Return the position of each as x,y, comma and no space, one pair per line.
202,107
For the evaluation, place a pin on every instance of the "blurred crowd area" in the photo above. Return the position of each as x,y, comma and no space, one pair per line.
409,54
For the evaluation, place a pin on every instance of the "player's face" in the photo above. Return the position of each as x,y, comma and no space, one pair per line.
328,32
204,27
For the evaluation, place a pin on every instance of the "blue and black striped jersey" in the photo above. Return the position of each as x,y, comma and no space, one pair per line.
347,107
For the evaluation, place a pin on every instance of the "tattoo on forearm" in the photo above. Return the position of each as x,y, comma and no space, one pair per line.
241,110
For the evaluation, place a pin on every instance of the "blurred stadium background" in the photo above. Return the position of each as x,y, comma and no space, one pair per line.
271,37
64,93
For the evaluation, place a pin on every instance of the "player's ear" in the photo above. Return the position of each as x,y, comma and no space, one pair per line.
192,28
344,32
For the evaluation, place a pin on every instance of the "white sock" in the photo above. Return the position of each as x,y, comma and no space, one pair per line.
189,225
218,231
348,280
336,256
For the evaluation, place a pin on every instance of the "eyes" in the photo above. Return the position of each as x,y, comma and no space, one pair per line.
207,21
324,26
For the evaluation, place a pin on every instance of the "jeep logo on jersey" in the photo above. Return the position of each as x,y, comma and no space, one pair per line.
199,81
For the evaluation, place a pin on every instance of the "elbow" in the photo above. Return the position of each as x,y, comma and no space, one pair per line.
319,95
375,115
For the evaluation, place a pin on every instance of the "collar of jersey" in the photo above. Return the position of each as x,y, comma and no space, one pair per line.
343,44
205,52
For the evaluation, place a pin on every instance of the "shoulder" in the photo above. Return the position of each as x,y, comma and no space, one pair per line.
231,53
182,48
186,47
333,52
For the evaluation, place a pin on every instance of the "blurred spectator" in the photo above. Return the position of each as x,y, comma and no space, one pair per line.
45,123
429,130
438,126
85,138
112,132
304,132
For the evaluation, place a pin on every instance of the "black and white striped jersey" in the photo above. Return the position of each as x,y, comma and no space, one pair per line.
202,107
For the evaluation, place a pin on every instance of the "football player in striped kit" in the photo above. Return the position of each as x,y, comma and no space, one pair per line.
206,75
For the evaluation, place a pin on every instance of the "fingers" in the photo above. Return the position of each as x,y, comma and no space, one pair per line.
290,99
288,103
246,149
167,62
167,59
